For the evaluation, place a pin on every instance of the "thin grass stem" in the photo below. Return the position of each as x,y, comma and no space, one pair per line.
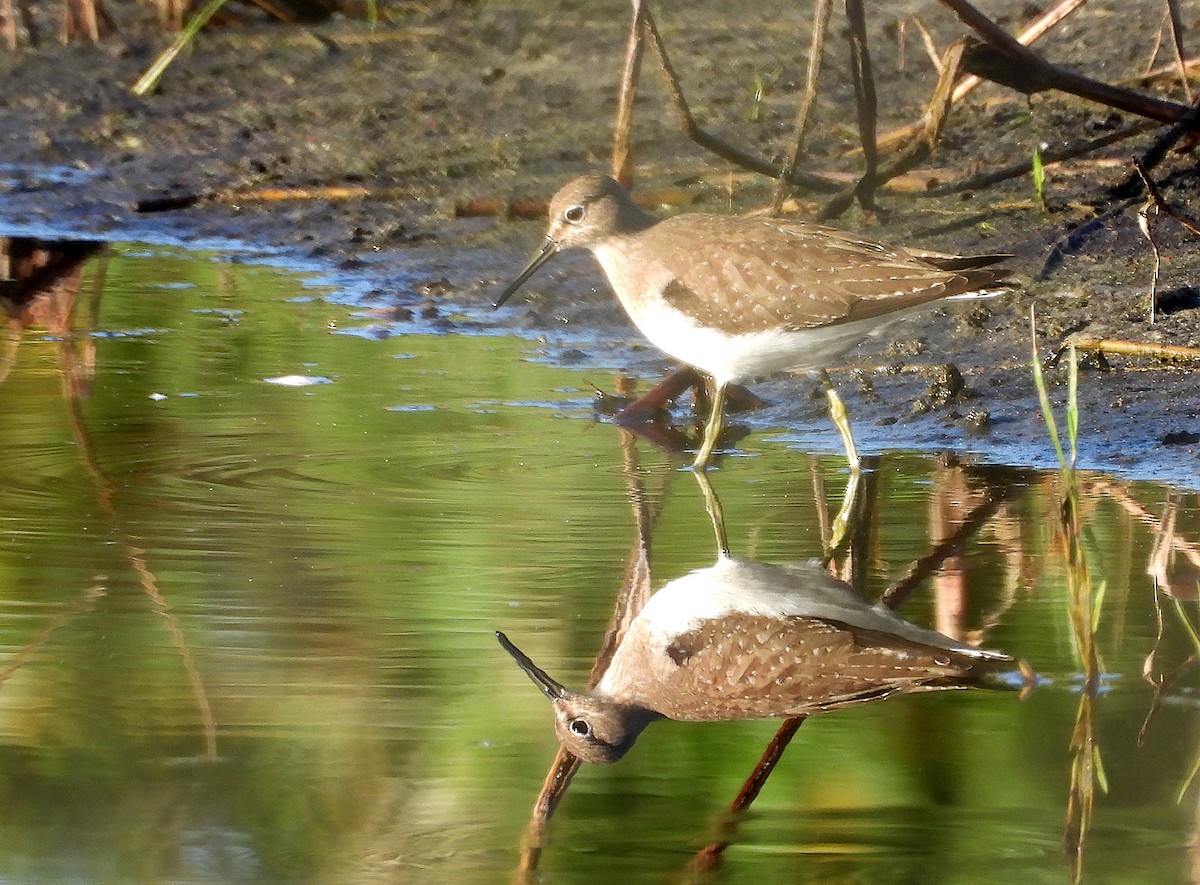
150,79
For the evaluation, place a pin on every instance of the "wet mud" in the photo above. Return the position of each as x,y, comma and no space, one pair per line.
445,125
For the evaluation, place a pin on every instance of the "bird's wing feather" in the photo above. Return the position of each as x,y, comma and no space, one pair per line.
791,275
772,667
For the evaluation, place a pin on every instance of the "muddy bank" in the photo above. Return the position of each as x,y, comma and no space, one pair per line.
463,105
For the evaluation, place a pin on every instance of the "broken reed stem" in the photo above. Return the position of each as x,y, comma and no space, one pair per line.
1160,203
816,52
1171,352
1032,33
706,140
622,158
928,44
1143,219
919,149
865,101
1176,20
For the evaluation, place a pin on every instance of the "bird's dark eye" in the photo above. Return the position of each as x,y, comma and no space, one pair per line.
574,214
580,727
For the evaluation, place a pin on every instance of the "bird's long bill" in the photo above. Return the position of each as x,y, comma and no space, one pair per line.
553,690
548,251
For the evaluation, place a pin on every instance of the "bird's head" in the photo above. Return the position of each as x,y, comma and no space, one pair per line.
595,728
585,212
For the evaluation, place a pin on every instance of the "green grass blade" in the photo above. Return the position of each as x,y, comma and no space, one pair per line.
1187,625
1098,605
150,79
1187,781
1038,171
1073,405
1039,381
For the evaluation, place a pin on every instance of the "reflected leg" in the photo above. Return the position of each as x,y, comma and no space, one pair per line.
841,420
715,513
841,523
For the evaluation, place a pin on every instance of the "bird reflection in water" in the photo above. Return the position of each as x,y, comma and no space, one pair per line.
40,282
748,640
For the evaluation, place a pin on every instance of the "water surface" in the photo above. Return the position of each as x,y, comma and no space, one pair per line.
254,543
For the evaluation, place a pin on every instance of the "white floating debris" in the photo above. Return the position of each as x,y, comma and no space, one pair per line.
158,396
299,380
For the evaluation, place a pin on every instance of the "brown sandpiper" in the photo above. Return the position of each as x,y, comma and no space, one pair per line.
747,640
742,297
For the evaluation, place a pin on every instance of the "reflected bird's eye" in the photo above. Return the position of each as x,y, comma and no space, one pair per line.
575,214
580,727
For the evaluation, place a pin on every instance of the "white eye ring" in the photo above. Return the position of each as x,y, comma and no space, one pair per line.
574,214
580,728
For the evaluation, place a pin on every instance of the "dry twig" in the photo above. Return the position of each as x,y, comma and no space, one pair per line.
816,52
1101,346
1176,20
1004,60
919,149
864,101
622,159
1035,31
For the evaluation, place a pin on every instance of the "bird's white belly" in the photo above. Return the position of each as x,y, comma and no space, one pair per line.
804,590
739,358
728,358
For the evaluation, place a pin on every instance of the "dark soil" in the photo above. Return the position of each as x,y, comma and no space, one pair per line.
462,109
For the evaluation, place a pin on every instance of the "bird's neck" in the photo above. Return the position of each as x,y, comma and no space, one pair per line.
632,219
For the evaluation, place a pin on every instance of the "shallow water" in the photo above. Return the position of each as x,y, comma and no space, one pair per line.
251,565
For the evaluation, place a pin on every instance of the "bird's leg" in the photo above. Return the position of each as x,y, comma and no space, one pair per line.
646,406
713,427
841,420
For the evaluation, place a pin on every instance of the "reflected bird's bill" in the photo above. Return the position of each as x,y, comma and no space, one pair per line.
553,689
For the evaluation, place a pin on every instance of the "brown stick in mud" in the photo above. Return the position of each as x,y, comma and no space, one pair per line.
816,52
718,146
9,24
1176,19
622,159
1160,203
919,149
864,101
1034,32
269,195
1002,59
88,18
